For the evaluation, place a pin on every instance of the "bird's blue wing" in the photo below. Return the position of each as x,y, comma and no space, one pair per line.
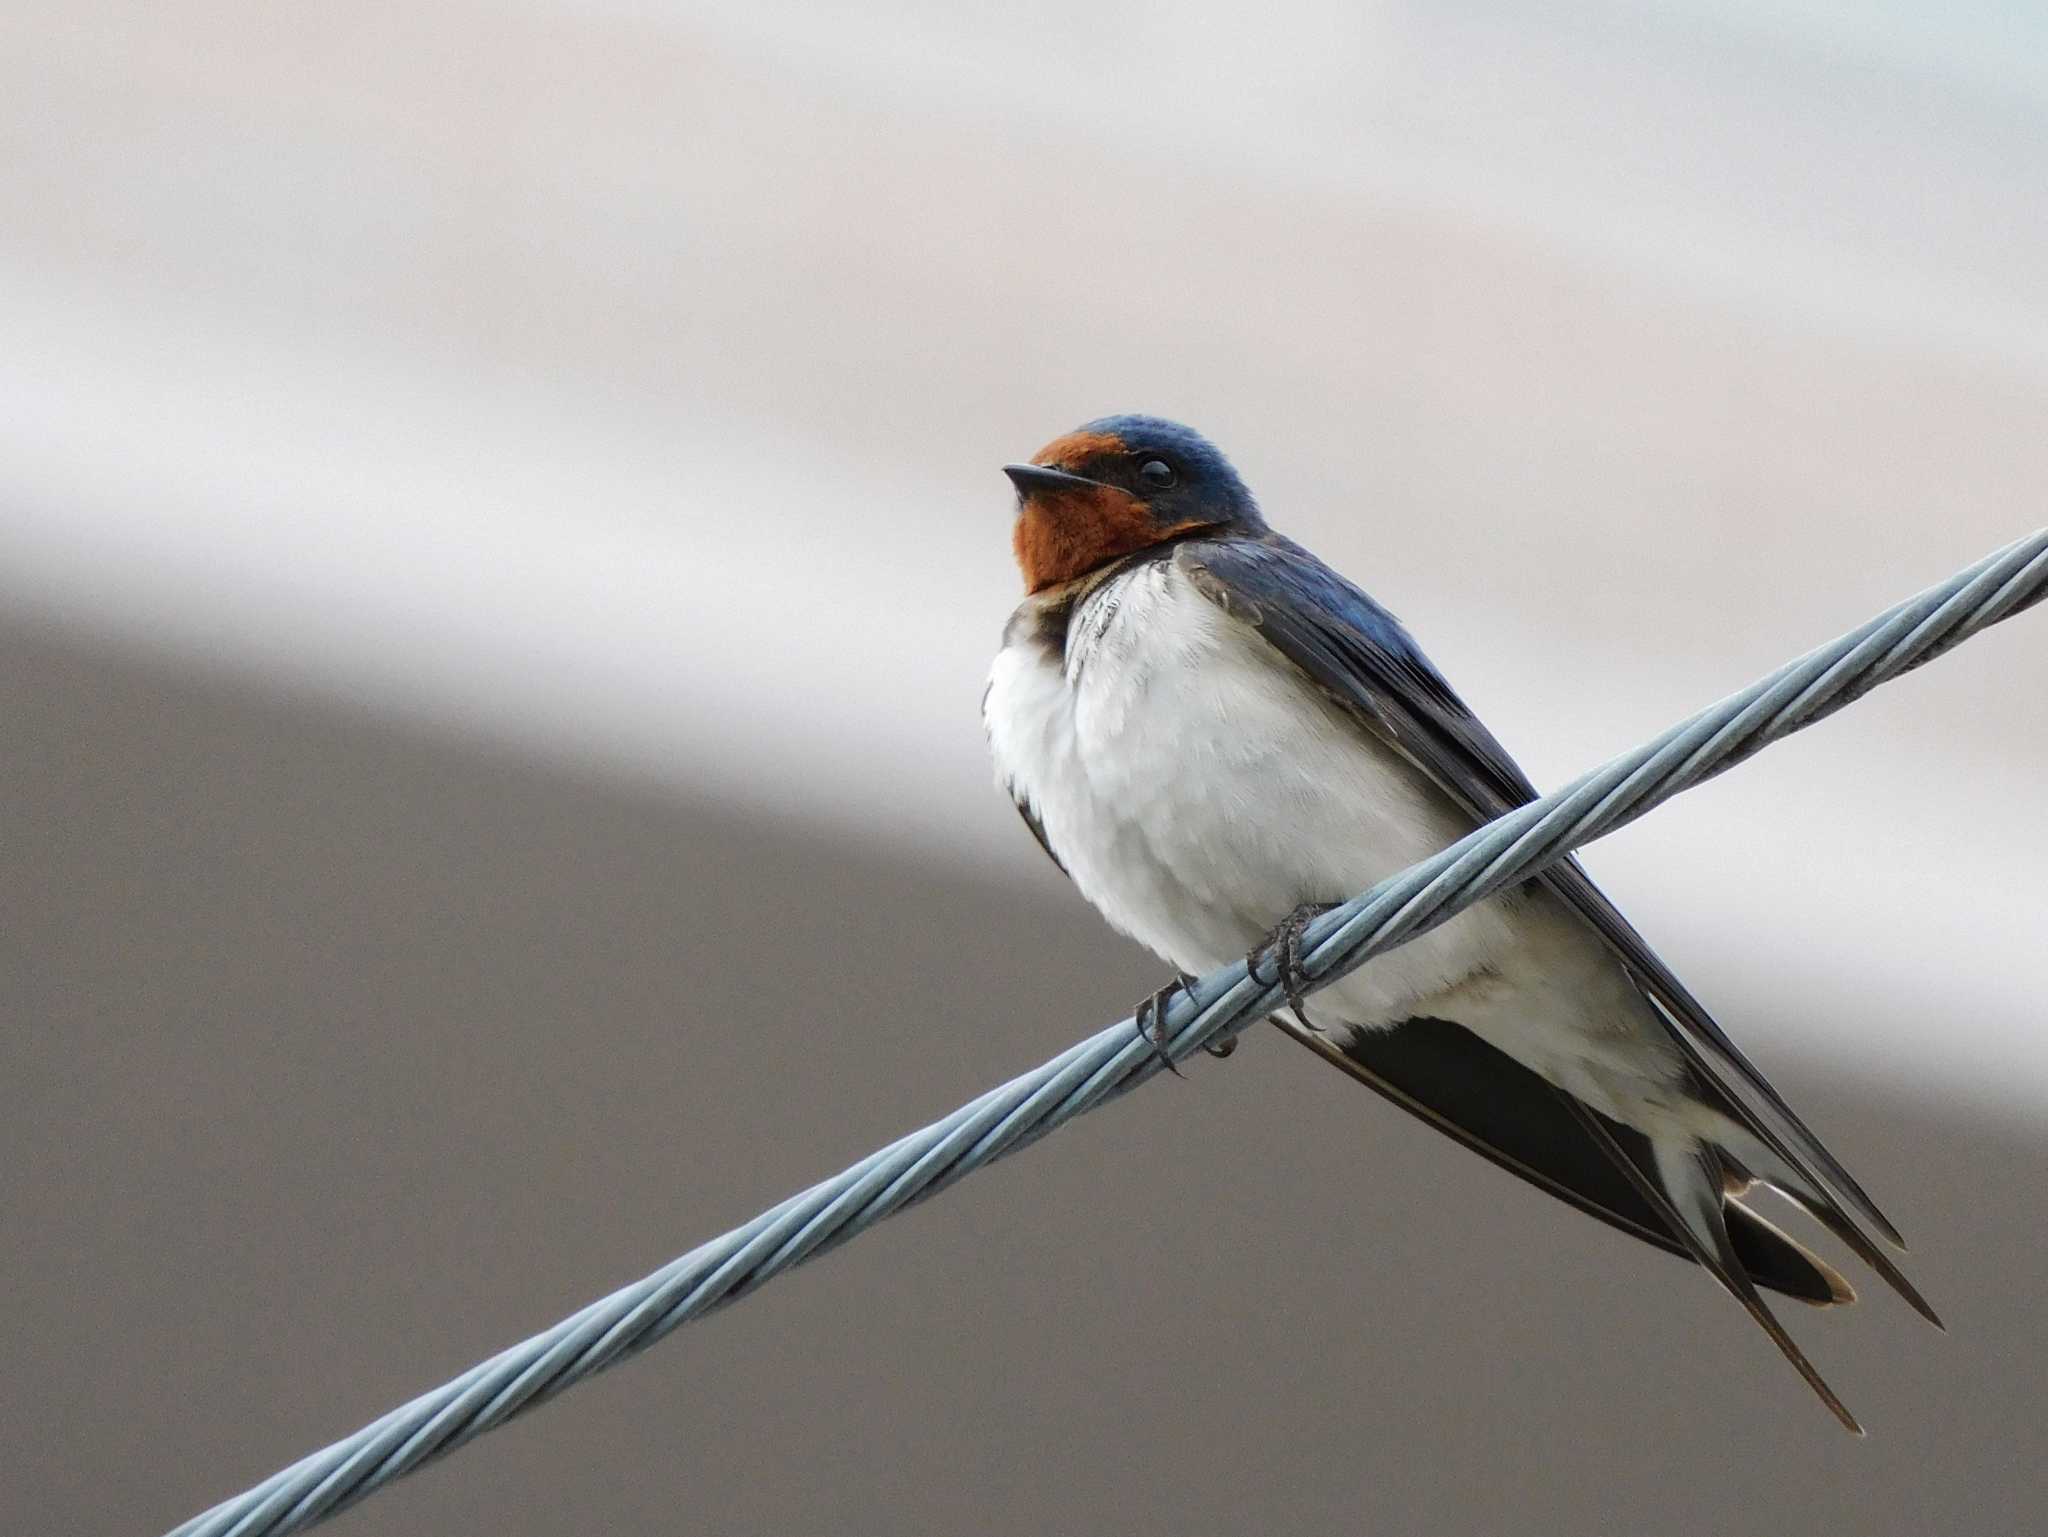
1360,655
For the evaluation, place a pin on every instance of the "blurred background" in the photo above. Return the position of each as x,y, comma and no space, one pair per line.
500,526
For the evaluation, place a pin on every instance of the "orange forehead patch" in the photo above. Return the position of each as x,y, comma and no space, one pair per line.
1078,448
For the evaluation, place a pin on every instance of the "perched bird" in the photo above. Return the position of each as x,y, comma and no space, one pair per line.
1217,736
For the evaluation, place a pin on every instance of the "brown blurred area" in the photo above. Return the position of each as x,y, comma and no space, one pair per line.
499,546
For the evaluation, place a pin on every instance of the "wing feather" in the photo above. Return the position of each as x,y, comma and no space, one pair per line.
1360,655
1480,1097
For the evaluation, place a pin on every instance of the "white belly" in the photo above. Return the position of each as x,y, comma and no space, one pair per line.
1198,789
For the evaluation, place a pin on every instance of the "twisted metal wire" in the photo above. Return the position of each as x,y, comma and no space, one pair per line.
1116,1060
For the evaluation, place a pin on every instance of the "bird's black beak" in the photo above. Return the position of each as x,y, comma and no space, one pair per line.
1028,478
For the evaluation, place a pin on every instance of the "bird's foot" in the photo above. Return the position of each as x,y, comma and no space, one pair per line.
1151,1015
1283,945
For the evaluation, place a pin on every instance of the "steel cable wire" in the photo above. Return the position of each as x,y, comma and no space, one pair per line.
1116,1060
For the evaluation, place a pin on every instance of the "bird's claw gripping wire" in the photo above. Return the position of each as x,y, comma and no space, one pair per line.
1283,945
1151,1016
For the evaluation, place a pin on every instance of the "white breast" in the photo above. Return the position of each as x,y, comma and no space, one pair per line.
1197,787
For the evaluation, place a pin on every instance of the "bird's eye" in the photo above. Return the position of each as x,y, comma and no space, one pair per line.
1157,473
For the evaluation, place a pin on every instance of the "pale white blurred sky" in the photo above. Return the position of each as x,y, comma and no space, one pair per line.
627,381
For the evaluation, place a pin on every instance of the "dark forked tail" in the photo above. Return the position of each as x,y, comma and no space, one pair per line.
1680,1198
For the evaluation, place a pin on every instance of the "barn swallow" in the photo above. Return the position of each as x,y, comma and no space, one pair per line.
1215,736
